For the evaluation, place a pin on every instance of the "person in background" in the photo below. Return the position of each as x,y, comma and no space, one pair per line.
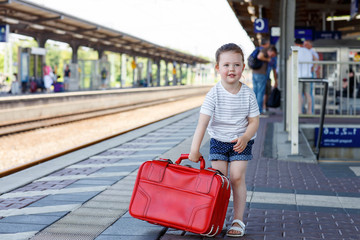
15,86
48,77
104,75
304,71
260,75
67,75
314,70
271,67
231,115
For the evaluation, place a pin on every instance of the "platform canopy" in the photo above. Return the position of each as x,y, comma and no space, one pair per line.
43,23
312,14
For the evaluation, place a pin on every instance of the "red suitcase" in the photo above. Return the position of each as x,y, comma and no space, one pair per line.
181,197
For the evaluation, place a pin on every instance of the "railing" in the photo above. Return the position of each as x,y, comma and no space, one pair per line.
343,95
330,95
325,83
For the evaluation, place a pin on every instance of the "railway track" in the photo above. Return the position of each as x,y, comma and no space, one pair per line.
40,123
174,107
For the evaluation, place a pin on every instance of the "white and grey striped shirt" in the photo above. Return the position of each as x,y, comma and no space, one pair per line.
229,112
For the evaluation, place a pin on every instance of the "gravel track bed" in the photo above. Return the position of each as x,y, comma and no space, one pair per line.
28,146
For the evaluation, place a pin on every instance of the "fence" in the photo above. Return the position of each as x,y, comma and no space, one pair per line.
344,87
335,91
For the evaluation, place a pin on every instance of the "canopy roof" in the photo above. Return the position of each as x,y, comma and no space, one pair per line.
43,23
313,14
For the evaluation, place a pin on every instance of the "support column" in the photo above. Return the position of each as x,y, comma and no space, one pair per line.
100,53
158,73
123,70
174,74
188,76
41,40
166,73
149,73
180,77
74,46
133,66
287,23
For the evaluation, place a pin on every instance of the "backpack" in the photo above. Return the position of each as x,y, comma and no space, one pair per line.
253,61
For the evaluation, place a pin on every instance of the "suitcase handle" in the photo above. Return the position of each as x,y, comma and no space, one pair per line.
186,156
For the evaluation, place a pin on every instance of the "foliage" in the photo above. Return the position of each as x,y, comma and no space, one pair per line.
60,54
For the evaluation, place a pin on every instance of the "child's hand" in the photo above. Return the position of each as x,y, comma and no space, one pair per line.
194,156
240,145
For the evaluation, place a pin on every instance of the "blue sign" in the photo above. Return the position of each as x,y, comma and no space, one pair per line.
328,35
304,33
354,8
273,40
339,137
261,25
4,33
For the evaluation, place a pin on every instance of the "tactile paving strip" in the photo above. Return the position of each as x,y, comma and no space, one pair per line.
92,218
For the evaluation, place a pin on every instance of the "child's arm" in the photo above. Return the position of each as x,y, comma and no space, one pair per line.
251,129
198,137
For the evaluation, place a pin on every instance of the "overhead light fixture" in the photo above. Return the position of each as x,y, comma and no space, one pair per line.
106,42
251,10
340,18
78,35
93,39
58,31
253,18
118,45
11,20
37,26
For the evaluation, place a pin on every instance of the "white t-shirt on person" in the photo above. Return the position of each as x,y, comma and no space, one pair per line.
229,112
304,69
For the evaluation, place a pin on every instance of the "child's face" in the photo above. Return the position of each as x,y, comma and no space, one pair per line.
230,67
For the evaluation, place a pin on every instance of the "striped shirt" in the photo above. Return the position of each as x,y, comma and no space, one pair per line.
229,112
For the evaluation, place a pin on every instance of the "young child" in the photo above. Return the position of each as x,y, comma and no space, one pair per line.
231,115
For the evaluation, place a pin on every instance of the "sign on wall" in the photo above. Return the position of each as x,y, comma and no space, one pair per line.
4,33
261,25
304,33
339,137
328,35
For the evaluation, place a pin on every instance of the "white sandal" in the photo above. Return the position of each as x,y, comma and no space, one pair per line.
240,229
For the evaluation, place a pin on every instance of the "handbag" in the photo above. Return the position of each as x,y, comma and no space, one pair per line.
274,98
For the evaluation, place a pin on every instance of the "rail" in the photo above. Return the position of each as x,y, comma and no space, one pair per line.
343,87
335,93
325,82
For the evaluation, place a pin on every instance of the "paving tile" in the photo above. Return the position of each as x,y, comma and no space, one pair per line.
132,226
20,227
75,197
126,237
30,219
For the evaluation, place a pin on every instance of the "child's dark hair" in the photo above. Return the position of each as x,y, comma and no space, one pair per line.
227,48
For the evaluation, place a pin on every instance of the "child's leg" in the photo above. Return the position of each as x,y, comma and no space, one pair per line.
237,179
220,165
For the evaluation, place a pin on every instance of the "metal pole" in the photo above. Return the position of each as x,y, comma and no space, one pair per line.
323,108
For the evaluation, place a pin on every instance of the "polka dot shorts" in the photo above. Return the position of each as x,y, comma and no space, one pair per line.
224,151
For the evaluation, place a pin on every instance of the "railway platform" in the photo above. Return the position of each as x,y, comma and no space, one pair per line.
85,194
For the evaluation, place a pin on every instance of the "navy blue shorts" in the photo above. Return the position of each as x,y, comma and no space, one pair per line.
224,151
